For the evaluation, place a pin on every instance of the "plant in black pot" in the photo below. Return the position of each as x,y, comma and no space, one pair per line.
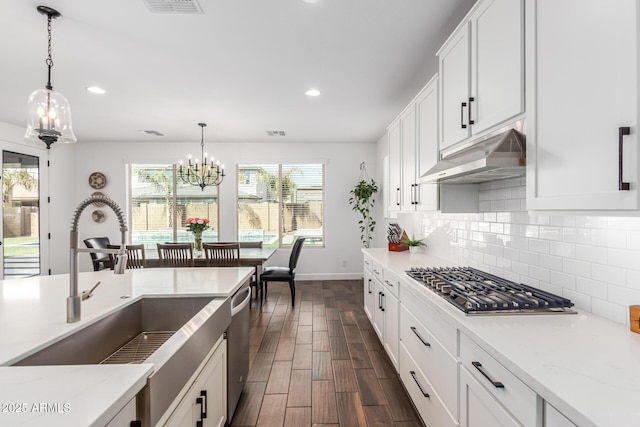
362,201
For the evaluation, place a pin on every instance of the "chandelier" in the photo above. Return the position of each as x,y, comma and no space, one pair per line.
49,115
204,174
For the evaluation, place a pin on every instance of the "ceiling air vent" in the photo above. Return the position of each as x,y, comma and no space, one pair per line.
276,133
173,6
151,132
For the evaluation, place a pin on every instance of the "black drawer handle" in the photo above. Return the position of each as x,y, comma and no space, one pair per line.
413,328
478,366
381,301
413,374
622,131
370,286
462,105
471,99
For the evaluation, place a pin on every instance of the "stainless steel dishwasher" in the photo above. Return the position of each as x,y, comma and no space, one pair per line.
237,348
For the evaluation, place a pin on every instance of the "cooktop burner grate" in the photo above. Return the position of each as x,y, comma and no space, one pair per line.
476,292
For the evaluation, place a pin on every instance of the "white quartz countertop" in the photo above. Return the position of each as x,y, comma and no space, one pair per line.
33,316
585,366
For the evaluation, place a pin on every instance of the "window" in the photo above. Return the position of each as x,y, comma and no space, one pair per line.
277,203
159,204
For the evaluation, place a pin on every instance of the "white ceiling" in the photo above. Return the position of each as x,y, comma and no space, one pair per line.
242,67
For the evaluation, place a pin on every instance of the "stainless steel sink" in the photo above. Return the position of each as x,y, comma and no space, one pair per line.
175,334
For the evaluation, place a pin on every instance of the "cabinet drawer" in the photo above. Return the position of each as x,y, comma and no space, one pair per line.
368,262
512,393
376,270
445,333
440,368
426,400
391,281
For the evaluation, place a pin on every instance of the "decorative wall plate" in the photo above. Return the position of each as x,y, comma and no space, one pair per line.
98,216
98,194
97,180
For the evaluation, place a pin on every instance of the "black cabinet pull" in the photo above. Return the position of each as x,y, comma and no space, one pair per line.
413,328
202,401
462,105
478,366
622,131
370,286
413,374
381,306
398,196
471,99
380,300
416,194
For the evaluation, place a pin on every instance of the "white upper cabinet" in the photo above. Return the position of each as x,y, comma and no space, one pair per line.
482,71
426,195
413,149
408,143
582,95
395,167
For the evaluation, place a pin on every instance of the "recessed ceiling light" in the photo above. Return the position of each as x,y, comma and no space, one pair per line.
96,89
312,92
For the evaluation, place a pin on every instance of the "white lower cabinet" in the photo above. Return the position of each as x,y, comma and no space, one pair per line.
369,295
125,416
205,402
423,394
383,308
553,418
493,383
478,408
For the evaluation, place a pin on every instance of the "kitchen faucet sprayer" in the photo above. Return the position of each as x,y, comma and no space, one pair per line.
74,300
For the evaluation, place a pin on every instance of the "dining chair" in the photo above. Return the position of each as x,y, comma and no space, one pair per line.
175,254
283,274
254,278
222,254
100,261
135,253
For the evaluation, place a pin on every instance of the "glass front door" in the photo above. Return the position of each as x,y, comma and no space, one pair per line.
20,215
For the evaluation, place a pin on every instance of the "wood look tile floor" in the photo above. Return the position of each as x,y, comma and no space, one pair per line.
319,363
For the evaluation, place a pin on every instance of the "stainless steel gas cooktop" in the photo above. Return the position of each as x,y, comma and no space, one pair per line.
476,292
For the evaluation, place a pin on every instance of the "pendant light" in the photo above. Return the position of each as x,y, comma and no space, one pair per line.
201,174
49,115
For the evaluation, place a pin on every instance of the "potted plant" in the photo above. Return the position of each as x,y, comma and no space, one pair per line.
413,243
362,201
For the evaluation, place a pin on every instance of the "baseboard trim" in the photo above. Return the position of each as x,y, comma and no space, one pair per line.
329,276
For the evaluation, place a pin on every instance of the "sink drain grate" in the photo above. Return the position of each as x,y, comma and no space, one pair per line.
138,349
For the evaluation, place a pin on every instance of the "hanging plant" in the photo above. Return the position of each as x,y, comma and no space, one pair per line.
362,201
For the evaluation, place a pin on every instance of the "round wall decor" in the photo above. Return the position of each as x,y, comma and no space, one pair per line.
97,180
98,194
98,215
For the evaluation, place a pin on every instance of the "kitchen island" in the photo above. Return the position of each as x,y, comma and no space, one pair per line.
576,369
33,316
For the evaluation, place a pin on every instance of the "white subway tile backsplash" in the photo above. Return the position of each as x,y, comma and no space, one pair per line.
591,253
593,260
563,249
550,261
609,238
564,280
591,287
537,245
581,301
612,311
577,268
550,232
623,258
623,296
541,274
606,273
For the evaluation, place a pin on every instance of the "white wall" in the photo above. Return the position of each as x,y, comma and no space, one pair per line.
341,174
592,260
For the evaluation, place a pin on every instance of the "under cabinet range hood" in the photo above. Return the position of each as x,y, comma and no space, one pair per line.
499,155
